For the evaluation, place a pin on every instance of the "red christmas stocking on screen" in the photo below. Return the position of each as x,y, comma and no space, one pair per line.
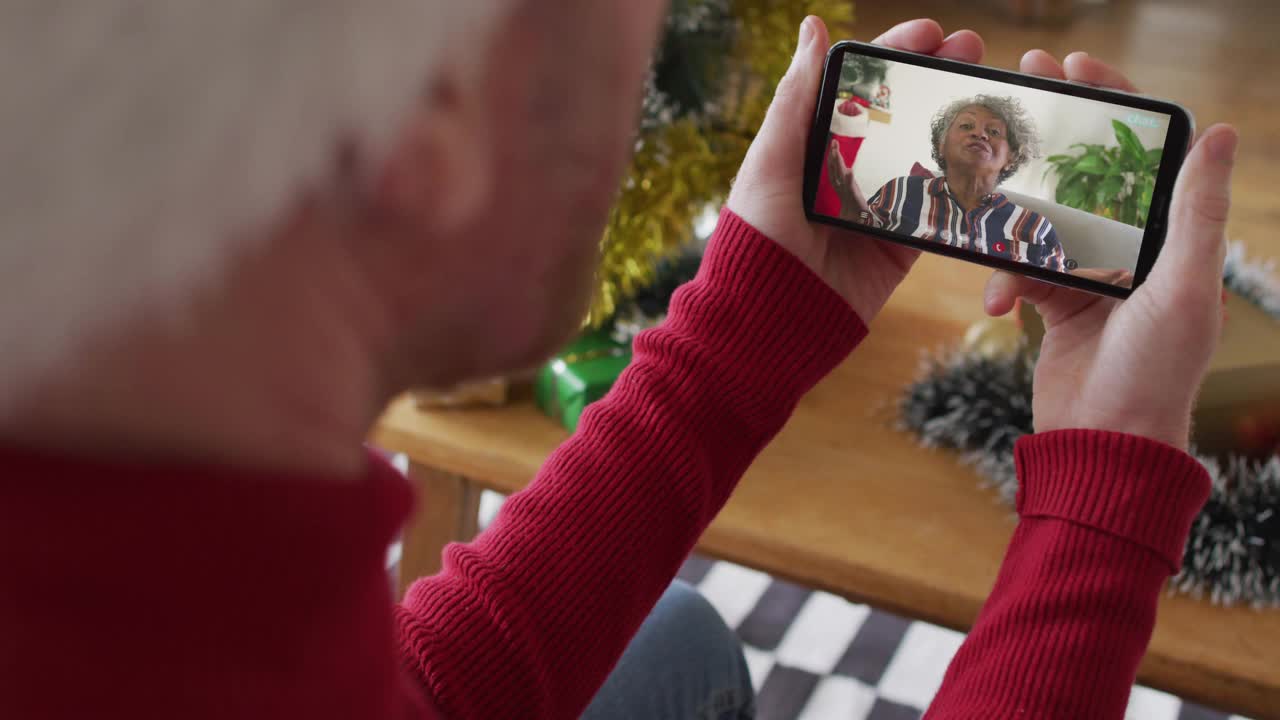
848,128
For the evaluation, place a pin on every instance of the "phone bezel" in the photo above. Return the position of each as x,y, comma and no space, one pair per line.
1177,143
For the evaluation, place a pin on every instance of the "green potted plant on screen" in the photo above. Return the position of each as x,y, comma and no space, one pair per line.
1115,182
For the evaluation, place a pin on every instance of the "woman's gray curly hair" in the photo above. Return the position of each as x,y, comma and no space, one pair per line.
1024,141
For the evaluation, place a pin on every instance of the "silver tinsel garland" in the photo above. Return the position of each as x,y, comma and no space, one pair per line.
980,406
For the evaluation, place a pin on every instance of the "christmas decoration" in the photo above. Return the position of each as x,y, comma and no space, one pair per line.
585,371
977,405
993,337
1257,282
881,100
709,88
851,107
648,307
1234,552
977,400
980,406
880,106
862,76
861,98
579,376
862,82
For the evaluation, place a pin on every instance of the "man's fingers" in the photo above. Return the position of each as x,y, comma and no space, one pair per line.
1078,66
926,36
921,36
1196,244
1039,62
1055,304
962,45
1004,289
1082,68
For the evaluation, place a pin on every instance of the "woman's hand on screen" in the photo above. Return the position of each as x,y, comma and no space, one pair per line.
769,186
852,202
1134,366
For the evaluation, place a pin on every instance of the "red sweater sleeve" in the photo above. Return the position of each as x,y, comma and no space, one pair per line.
1104,520
528,620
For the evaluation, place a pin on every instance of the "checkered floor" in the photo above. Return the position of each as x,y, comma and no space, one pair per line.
816,656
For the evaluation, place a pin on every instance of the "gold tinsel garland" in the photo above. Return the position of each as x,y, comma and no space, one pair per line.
682,168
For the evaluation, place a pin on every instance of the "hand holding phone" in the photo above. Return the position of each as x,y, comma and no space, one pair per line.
861,268
1136,366
1133,367
1061,177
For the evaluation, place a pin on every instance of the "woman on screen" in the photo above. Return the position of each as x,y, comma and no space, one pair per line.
978,143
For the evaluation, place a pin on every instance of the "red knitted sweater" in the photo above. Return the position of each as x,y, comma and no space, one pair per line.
145,591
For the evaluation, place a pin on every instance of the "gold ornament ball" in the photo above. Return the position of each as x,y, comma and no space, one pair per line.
993,338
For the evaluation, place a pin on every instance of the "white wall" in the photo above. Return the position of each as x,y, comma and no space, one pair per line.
918,93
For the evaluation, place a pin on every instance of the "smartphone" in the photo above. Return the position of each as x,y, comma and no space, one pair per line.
1061,181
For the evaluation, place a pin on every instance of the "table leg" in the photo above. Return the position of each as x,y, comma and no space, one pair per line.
448,511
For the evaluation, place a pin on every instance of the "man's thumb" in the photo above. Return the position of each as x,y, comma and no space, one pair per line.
1196,244
787,124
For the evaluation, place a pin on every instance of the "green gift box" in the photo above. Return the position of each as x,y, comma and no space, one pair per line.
581,374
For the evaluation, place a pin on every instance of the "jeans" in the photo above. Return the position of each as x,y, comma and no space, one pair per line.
683,664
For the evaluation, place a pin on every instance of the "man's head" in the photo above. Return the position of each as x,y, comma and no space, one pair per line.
461,154
517,172
984,134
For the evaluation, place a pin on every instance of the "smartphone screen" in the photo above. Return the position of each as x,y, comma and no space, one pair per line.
994,169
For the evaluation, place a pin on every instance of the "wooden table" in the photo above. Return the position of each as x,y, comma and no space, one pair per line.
844,502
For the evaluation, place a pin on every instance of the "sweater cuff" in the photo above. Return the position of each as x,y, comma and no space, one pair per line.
1129,486
755,302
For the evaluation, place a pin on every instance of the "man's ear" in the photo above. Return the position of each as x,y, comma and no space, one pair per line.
440,169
